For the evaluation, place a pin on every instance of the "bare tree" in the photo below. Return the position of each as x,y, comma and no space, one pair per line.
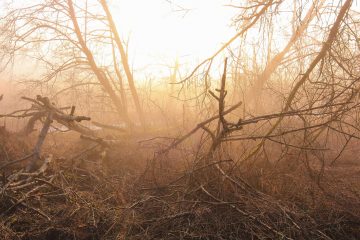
65,37
274,63
124,60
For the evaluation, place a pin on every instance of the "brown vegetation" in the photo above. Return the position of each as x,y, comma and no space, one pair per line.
268,151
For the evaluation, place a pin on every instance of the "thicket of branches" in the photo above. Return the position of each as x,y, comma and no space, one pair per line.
255,161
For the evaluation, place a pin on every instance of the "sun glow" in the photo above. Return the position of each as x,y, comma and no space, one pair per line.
161,31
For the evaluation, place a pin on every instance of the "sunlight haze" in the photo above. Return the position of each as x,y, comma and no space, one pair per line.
159,31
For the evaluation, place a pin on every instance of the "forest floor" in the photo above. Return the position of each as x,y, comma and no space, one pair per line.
85,191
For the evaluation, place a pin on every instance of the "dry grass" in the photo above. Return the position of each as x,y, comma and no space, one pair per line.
120,195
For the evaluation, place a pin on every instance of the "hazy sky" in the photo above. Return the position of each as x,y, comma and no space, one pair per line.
159,32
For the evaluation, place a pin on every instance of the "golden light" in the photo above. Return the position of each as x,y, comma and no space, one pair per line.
160,31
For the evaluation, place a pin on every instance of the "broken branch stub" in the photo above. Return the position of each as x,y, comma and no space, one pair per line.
42,107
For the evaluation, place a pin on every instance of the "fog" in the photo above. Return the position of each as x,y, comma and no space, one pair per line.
174,119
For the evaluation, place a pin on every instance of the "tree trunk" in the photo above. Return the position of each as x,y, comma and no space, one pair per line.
125,63
275,62
104,81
